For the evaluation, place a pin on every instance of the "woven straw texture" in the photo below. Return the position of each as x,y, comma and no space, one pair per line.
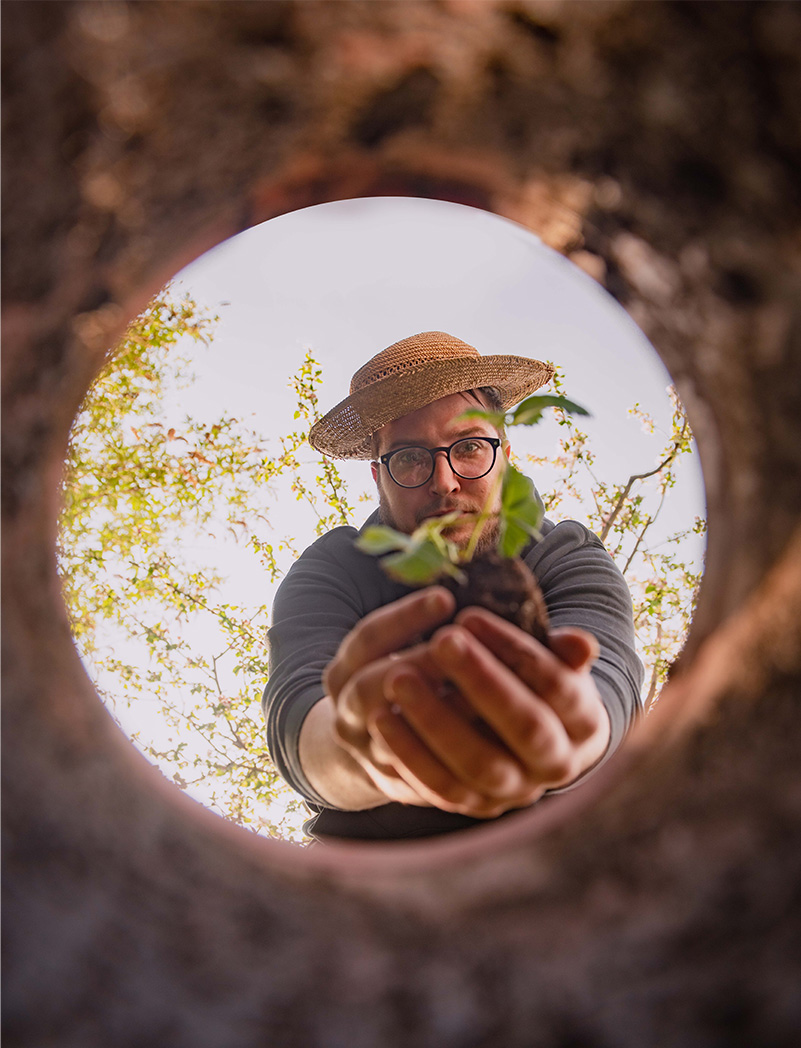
410,374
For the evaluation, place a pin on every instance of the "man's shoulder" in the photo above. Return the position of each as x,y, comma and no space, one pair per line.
569,533
563,544
340,543
332,542
334,565
564,535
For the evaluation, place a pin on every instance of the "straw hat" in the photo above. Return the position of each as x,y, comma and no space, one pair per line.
410,374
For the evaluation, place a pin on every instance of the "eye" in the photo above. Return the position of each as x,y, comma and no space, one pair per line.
409,458
468,448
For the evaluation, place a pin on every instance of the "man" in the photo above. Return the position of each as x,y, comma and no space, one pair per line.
387,734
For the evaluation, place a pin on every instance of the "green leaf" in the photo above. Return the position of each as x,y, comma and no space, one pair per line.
417,559
530,411
420,565
521,513
432,528
379,539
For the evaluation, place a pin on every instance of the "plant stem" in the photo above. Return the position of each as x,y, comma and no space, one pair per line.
481,520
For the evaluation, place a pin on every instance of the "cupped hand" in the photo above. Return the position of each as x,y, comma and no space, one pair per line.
525,719
355,680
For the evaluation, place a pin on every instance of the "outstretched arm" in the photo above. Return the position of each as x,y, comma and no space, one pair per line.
321,611
337,752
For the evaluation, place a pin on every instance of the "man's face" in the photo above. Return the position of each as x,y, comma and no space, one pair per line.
433,426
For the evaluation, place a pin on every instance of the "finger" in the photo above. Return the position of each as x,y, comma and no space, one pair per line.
473,756
385,776
424,773
363,694
418,658
385,630
564,689
366,691
577,648
528,725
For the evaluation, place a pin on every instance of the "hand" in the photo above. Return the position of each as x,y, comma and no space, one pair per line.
527,719
354,681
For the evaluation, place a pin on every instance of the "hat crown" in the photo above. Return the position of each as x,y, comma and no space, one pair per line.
411,354
412,373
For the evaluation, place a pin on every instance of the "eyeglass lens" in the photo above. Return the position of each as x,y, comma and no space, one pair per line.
469,459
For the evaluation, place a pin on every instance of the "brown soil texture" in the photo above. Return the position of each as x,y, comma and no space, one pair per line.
507,587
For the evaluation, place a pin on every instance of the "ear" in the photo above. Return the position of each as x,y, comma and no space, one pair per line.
507,448
374,471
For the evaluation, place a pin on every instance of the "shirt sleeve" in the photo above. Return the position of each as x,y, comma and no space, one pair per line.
315,607
583,587
325,593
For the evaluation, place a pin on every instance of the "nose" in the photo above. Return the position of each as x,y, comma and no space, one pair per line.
443,480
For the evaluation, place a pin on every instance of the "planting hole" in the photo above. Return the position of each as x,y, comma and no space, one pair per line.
191,490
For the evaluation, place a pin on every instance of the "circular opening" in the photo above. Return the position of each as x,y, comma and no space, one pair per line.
193,491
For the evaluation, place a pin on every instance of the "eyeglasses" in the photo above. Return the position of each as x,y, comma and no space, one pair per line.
469,458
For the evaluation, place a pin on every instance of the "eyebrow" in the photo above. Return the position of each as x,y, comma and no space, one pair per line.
470,431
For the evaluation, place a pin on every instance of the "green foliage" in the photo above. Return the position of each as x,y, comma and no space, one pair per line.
528,413
327,495
522,509
145,499
421,558
521,512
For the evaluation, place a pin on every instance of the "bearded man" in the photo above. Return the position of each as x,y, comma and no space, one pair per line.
387,734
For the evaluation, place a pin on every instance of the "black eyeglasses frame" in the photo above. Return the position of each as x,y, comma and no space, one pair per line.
494,442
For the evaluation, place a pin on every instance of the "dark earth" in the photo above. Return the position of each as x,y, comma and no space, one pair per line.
505,586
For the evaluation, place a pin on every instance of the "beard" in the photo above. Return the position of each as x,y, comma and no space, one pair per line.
459,534
487,540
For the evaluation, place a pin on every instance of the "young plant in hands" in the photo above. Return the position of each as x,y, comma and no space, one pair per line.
496,579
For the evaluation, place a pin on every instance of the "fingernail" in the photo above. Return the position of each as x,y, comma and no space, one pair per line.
453,644
398,686
440,601
384,720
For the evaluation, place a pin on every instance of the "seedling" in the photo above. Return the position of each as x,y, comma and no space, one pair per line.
496,578
424,556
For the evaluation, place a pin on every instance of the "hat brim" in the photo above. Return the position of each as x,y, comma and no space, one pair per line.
346,431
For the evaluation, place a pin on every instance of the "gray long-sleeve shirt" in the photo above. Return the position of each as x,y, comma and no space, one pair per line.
333,585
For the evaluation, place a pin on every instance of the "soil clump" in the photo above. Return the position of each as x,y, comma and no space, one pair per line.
505,586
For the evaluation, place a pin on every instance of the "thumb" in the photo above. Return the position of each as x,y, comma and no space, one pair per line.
576,648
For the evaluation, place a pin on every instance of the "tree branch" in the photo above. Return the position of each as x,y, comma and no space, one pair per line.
621,500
